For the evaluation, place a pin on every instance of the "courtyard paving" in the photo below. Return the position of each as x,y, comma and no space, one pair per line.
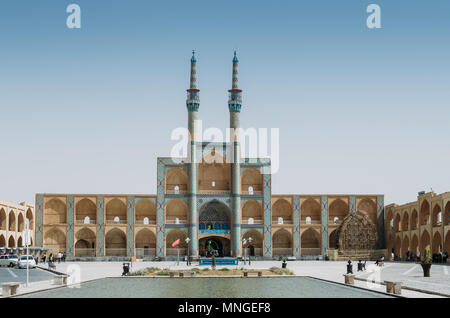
409,274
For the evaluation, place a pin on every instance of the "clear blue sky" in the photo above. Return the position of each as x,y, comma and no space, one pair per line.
359,110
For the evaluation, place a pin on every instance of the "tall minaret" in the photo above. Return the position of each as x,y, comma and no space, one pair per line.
234,106
192,104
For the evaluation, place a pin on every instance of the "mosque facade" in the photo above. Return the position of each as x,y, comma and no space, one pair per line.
211,201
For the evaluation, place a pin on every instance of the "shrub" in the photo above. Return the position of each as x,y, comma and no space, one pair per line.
280,271
224,270
163,273
140,272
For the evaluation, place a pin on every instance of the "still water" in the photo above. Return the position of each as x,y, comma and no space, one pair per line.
208,287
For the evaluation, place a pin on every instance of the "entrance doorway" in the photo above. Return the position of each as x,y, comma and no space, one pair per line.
218,246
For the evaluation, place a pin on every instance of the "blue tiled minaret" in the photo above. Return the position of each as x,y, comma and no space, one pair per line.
234,106
192,104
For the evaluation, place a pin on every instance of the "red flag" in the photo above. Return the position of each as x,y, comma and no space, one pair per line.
244,243
176,243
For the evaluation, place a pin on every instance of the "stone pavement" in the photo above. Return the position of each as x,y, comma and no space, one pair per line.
411,275
332,271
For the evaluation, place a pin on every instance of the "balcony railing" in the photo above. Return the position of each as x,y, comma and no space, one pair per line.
83,222
85,252
311,222
252,193
142,222
175,222
214,192
177,192
144,252
284,222
116,222
280,251
255,221
115,252
310,251
173,251
258,251
55,249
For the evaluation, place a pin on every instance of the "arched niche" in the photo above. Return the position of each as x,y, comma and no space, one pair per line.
177,178
252,180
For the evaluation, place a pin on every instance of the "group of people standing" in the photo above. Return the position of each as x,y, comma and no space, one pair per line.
437,257
51,258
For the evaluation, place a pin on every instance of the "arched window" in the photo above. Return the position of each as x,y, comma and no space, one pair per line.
213,184
336,220
308,220
280,220
176,189
250,190
177,221
116,219
87,220
146,220
251,221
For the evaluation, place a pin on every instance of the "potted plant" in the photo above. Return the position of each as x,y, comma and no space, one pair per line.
426,263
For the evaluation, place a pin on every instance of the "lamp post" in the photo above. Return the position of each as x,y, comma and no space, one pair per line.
187,242
26,236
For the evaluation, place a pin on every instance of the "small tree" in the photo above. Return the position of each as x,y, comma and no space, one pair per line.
426,256
213,262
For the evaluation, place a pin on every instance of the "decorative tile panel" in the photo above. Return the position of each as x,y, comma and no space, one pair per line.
324,205
70,225
296,233
267,216
352,204
202,200
130,225
100,225
39,218
160,209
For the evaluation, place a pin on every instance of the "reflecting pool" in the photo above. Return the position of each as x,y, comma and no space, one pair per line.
209,287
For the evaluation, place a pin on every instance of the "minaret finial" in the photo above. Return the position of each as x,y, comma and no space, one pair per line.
193,99
193,81
235,96
235,72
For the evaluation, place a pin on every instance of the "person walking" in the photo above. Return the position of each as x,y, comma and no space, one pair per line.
418,256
